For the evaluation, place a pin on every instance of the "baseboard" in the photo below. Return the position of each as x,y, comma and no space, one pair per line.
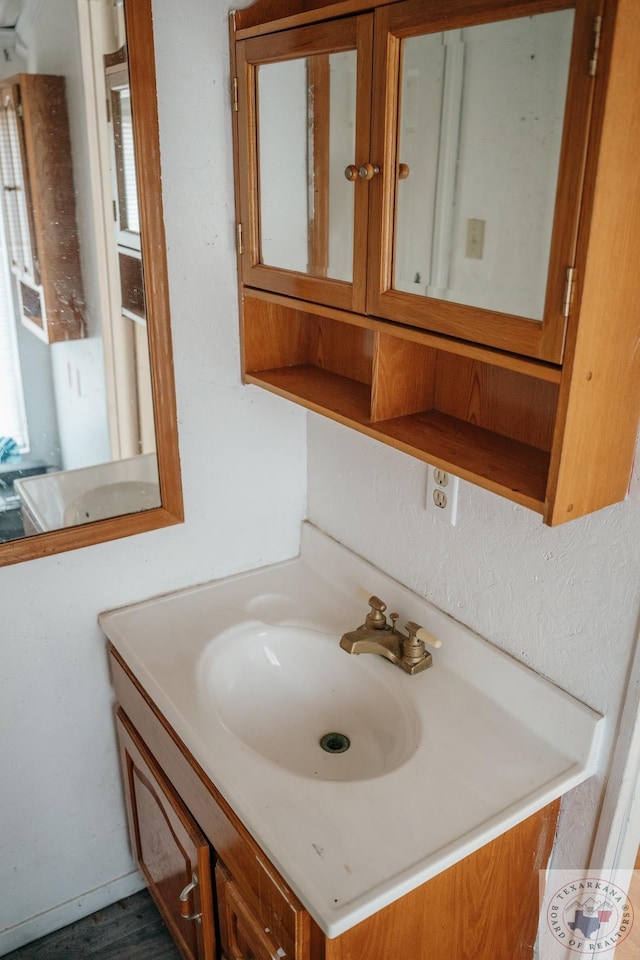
65,913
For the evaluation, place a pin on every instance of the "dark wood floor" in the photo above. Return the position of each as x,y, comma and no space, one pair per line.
129,930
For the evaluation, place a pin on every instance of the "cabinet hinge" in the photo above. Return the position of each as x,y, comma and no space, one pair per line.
597,30
18,109
568,291
234,94
239,238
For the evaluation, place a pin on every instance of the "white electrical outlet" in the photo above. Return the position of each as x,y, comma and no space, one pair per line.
442,495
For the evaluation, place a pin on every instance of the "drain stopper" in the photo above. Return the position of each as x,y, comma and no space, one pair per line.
335,742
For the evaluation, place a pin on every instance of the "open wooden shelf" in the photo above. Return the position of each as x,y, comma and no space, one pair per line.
484,457
493,461
471,412
329,393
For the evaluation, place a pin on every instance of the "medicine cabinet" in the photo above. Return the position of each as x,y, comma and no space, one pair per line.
436,231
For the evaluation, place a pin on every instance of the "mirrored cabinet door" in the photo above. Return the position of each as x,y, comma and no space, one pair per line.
482,152
305,152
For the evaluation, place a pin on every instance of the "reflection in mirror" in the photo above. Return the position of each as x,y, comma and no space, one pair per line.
126,192
480,132
87,408
306,123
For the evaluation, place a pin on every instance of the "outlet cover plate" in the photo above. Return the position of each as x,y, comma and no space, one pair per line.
442,495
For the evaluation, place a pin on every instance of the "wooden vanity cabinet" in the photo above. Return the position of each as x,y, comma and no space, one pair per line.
169,848
40,207
483,908
527,408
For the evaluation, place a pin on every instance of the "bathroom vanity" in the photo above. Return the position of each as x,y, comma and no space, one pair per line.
424,839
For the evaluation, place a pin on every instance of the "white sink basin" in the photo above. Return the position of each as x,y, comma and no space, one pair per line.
249,673
282,689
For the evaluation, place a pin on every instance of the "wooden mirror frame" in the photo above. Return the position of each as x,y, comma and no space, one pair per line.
142,78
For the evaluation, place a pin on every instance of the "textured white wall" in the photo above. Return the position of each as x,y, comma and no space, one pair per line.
565,601
63,844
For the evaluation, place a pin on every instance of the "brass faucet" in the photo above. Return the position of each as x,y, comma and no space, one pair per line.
375,635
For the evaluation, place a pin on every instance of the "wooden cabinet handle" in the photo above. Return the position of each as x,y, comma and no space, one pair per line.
368,171
185,908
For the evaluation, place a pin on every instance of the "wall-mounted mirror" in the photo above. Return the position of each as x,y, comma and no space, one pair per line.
88,436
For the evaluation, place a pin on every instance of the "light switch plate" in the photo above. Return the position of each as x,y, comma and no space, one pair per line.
475,239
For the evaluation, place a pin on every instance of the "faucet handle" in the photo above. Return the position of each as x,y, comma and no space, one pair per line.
420,634
413,647
413,650
375,619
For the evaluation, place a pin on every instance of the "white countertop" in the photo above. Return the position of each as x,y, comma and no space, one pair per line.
498,742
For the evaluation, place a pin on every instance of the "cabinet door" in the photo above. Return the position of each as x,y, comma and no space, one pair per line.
480,122
242,935
304,125
169,848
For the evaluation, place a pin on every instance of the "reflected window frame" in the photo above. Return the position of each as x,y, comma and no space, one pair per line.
125,186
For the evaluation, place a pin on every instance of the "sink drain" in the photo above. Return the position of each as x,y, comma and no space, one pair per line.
335,742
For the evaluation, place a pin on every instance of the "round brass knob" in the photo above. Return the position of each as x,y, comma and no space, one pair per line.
351,172
368,171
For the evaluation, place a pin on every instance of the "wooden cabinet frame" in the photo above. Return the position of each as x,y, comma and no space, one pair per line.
542,340
377,109
541,434
351,34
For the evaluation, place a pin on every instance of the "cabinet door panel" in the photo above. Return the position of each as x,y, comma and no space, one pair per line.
475,215
243,936
169,848
304,102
